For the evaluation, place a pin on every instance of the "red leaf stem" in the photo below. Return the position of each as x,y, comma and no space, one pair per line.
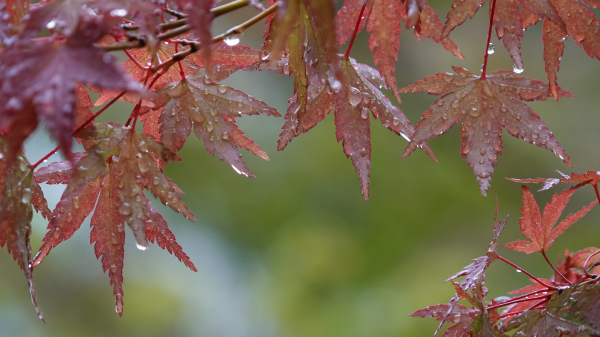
81,127
485,57
526,273
362,10
556,270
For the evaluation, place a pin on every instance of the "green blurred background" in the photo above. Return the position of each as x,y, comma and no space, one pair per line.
297,251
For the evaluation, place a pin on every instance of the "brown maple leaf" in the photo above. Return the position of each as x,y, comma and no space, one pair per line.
118,165
539,228
210,109
384,27
484,105
352,105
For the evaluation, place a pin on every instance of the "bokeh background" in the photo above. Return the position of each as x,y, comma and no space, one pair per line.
297,251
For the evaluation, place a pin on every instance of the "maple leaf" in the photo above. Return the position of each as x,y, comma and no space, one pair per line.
211,110
19,193
474,274
39,83
484,106
352,104
458,314
118,165
384,27
589,177
539,228
303,32
553,321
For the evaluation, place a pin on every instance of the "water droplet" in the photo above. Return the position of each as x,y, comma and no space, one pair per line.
232,40
222,88
210,126
535,135
475,112
364,113
490,49
481,162
155,180
483,175
455,104
440,102
465,150
366,97
26,195
118,12
518,270
516,69
141,247
225,135
482,151
124,209
444,116
51,24
354,96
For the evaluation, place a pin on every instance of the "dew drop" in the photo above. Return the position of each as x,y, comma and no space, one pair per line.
118,12
26,195
354,96
51,24
225,135
364,113
222,88
490,49
455,104
535,135
445,116
155,180
482,151
475,112
440,102
518,270
141,247
209,127
465,150
516,69
232,40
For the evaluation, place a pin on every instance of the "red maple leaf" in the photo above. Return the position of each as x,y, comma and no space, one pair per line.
539,228
19,192
562,18
39,83
484,105
460,314
210,109
352,105
118,165
384,27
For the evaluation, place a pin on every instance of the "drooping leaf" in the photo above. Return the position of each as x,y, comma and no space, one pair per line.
210,109
39,83
508,22
19,192
118,165
352,105
539,228
484,106
382,18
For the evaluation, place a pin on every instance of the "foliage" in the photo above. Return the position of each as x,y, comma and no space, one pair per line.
53,52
